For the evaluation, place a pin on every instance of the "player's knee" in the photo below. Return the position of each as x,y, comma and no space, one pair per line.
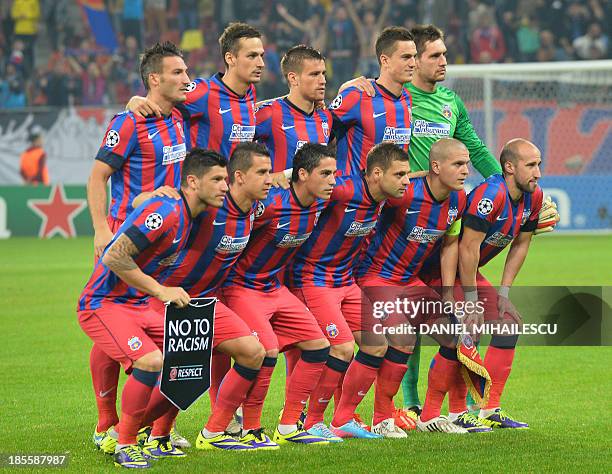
314,345
378,350
343,351
272,353
151,362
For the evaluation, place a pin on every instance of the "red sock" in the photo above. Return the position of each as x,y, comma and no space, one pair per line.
320,397
232,393
457,393
105,378
292,356
220,365
303,381
388,380
158,406
134,399
338,391
442,373
498,363
163,424
358,379
253,404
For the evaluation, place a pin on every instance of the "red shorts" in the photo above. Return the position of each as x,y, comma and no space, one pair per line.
277,318
228,325
486,293
125,333
337,310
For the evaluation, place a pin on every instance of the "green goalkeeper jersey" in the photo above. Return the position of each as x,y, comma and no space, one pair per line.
441,114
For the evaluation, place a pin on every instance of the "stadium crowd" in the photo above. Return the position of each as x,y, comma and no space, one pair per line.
49,56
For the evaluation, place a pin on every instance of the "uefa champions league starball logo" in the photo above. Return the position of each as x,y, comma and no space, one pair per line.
154,221
485,206
112,138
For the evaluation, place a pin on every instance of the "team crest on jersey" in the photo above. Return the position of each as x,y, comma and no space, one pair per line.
453,212
134,343
259,210
317,215
336,103
154,221
325,127
485,206
332,331
190,87
446,111
526,214
112,138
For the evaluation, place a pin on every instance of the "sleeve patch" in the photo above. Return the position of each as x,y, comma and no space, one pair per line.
112,138
485,206
154,221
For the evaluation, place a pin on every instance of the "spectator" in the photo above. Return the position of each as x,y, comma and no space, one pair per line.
549,50
593,45
528,39
155,19
188,15
12,90
341,46
33,162
314,28
133,14
25,14
487,44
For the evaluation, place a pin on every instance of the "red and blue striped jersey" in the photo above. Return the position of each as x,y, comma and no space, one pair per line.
491,210
329,256
284,129
360,122
219,118
159,228
217,239
407,232
282,224
145,153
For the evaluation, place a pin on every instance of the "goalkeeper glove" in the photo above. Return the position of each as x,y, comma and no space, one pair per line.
548,217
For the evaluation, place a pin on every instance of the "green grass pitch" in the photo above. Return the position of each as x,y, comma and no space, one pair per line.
47,403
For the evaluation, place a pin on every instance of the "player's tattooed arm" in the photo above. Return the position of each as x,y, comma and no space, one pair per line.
143,106
119,257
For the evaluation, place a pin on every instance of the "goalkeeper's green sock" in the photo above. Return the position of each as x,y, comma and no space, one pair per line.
411,377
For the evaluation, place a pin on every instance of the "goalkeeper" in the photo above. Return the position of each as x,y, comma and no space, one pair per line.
438,112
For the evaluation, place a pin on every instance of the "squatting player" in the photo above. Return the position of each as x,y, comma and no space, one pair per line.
502,211
408,231
321,275
116,309
283,222
138,154
217,239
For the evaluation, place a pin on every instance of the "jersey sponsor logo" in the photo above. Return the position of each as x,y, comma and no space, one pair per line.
498,239
134,343
446,111
359,229
191,86
174,154
325,127
332,331
242,133
453,212
336,103
229,244
422,235
293,240
299,145
112,138
423,128
154,221
485,206
399,136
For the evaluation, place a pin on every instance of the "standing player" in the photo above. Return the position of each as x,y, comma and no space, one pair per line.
217,240
138,154
283,222
221,110
502,210
408,231
321,275
361,121
115,309
285,124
